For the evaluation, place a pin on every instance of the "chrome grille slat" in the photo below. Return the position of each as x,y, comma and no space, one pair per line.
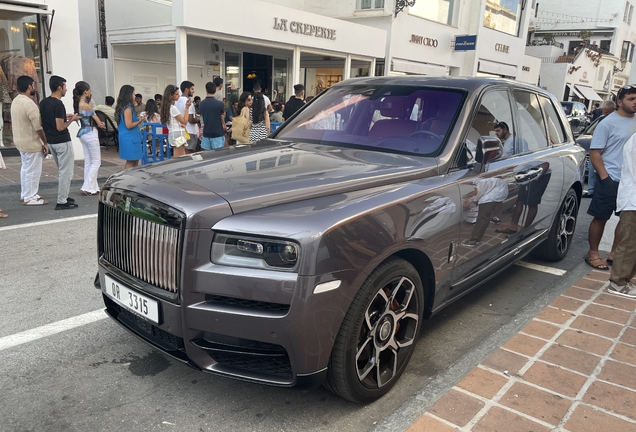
147,250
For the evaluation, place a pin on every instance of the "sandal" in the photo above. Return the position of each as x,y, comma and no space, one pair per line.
3,215
596,263
35,202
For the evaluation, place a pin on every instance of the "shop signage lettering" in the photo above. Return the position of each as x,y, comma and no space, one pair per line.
502,48
421,40
304,28
525,68
465,43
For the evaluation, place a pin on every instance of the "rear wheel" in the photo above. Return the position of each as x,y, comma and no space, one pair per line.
556,246
378,335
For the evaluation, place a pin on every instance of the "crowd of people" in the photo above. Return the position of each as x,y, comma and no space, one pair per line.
193,124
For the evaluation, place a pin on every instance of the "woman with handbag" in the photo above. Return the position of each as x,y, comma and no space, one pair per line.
260,118
241,124
87,135
171,117
130,148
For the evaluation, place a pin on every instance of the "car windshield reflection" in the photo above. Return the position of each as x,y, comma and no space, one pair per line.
406,119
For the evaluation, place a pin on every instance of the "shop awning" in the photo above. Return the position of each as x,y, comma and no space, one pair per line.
577,93
588,92
418,68
497,68
14,12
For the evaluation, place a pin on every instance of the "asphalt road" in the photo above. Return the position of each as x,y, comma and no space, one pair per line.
98,377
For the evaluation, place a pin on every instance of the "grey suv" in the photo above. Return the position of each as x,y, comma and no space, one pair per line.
314,255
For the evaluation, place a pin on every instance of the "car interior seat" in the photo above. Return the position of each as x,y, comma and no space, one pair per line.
398,124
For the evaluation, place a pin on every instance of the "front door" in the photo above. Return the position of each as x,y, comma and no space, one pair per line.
488,197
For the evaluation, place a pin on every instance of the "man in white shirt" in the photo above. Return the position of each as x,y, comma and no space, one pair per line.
187,92
624,265
512,145
108,109
30,140
218,82
268,103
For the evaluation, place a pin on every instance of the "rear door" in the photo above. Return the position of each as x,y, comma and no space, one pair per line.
539,173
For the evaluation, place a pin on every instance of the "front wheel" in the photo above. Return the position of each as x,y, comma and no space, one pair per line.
378,334
557,245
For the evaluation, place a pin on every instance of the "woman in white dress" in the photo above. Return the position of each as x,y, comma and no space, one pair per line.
171,117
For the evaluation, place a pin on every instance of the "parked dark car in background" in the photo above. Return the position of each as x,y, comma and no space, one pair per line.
585,140
314,255
577,116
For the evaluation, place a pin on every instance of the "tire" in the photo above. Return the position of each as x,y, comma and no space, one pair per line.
557,245
378,334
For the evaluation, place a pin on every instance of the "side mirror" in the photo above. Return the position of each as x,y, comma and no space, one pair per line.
488,149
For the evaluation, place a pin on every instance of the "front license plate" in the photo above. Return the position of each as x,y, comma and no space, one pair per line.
132,300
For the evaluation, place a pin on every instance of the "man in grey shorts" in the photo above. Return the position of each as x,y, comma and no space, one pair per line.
606,155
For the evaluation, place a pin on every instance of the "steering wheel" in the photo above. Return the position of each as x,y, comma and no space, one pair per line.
439,137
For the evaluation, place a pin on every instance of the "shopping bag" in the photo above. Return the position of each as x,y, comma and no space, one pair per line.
241,129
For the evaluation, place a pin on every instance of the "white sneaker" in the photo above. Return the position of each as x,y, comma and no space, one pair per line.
628,290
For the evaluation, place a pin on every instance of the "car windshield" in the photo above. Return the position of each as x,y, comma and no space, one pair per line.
567,108
406,119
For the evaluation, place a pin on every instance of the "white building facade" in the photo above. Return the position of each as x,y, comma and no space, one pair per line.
586,51
38,38
152,43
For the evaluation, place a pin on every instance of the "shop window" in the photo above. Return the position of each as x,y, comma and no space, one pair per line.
441,11
504,15
370,4
556,134
20,54
530,121
279,88
232,80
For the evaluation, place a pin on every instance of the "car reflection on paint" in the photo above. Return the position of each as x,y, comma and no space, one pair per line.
312,257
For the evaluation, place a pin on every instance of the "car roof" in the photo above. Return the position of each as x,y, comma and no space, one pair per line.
467,83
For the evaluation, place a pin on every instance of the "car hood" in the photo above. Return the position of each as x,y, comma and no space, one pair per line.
273,172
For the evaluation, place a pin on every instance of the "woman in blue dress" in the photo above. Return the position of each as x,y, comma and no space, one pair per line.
88,137
130,148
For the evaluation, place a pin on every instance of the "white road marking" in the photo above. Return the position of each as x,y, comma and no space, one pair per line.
47,222
541,268
51,329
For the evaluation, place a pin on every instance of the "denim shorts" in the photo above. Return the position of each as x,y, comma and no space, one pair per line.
604,199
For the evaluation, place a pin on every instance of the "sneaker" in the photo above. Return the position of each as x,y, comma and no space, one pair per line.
628,290
66,206
70,200
495,220
469,243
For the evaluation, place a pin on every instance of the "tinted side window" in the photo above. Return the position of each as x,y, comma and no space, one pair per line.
494,109
556,134
531,125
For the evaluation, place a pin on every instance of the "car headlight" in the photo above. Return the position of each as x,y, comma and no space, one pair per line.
253,252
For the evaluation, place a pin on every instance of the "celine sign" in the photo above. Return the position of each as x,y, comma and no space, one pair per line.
304,28
465,43
421,40
502,48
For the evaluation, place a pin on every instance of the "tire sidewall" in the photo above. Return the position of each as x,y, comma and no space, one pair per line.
389,271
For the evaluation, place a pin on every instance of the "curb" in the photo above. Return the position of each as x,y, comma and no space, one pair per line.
15,187
421,401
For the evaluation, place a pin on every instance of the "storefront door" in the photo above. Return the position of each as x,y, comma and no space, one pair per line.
257,68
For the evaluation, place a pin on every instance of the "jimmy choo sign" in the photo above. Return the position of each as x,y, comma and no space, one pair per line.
421,40
304,28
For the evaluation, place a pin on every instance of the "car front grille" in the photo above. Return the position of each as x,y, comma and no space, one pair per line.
149,250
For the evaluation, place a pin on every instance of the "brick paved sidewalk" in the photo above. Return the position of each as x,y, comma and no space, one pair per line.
572,368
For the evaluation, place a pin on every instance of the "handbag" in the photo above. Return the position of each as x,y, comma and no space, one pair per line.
241,129
180,140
